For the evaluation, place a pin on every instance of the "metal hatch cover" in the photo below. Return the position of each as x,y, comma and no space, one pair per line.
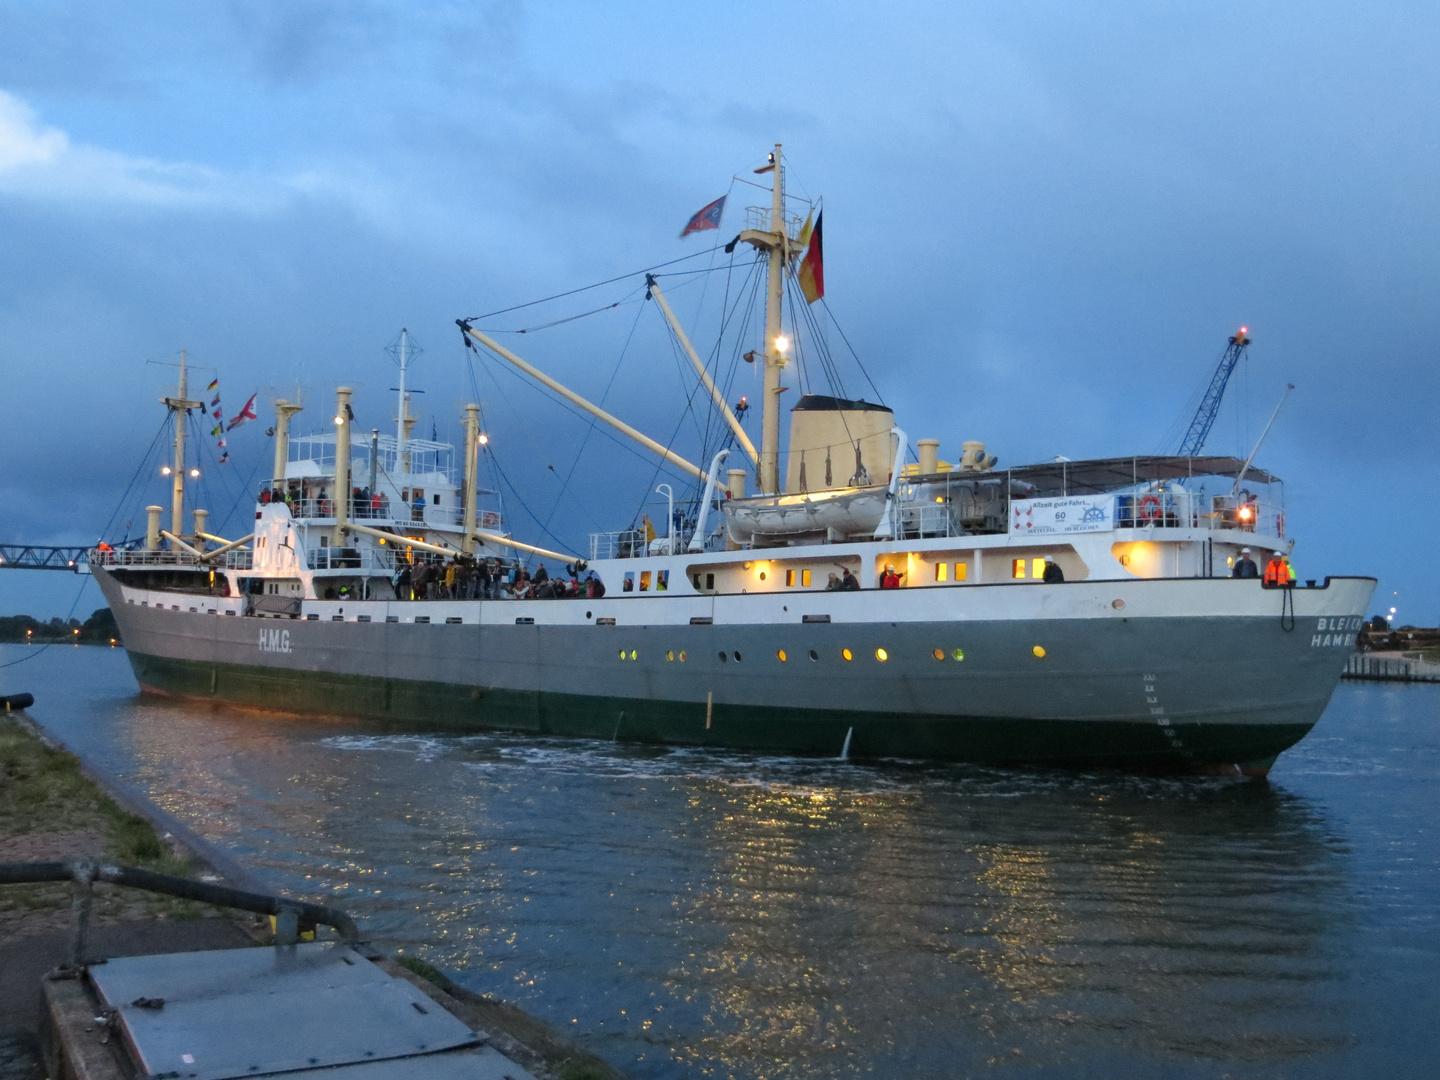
253,1012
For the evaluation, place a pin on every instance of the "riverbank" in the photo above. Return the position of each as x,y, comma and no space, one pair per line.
53,808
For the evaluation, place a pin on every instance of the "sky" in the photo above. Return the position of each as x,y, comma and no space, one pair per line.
1042,221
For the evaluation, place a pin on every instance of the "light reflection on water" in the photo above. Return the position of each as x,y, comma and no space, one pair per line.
712,914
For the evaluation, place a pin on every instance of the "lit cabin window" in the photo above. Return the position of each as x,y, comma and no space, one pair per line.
962,571
1037,568
644,580
780,655
805,578
942,571
846,653
1017,568
662,580
789,579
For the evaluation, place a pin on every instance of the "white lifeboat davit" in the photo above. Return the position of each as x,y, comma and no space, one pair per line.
848,511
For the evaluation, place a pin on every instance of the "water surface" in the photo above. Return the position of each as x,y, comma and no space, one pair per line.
695,913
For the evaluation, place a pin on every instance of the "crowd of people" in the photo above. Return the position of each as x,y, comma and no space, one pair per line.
465,577
364,503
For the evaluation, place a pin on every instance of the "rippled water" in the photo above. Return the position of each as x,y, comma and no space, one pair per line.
689,913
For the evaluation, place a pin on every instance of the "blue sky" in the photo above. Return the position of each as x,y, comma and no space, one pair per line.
1042,220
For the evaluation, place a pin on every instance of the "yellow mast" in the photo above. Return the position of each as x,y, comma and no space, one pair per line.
776,243
180,406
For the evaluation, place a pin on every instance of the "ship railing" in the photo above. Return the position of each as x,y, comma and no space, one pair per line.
143,557
239,559
350,558
1197,510
758,218
625,544
360,510
928,519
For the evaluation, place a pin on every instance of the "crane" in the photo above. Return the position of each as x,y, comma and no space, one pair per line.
1204,418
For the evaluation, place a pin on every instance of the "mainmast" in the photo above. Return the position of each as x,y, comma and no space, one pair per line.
180,406
776,242
402,415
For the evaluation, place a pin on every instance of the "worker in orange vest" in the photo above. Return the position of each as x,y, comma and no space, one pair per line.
1279,574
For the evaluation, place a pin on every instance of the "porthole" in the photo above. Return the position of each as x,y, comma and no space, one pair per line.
814,655
737,656
780,655
881,655
622,654
959,654
634,654
683,657
724,656
762,575
1039,651
846,654
670,656
1117,604
939,654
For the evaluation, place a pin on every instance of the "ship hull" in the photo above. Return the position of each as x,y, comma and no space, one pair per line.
1179,692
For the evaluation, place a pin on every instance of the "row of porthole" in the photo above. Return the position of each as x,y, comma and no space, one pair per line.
881,655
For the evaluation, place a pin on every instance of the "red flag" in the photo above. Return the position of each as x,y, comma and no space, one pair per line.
812,267
707,217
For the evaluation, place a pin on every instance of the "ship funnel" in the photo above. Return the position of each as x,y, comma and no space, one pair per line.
974,459
929,456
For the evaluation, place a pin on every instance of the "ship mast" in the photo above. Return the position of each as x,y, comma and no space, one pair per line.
181,407
775,242
402,464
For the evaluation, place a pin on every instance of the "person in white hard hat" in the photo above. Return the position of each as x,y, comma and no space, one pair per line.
1245,566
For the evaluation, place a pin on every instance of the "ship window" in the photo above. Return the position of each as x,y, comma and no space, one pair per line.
709,581
805,578
644,580
959,654
737,656
392,618
1039,651
1017,568
939,654
723,656
422,618
942,571
814,655
789,579
1037,568
662,580
452,619
762,575
961,571
780,655
695,580
669,656
881,655
437,500
366,618
629,585
846,654
312,617
622,654
634,654
684,656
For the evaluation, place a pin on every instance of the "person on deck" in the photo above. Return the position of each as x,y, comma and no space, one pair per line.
848,581
833,585
890,579
1245,566
541,576
1278,574
1053,574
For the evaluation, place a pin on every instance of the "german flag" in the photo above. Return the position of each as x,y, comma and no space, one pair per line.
812,267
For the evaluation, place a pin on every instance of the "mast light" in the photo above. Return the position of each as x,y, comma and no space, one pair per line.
194,473
165,470
484,439
782,343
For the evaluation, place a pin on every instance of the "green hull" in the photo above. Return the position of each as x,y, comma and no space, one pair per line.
772,729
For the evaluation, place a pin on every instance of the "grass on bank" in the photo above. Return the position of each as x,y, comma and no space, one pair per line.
42,790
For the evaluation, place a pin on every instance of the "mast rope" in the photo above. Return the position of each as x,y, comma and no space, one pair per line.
587,288
144,461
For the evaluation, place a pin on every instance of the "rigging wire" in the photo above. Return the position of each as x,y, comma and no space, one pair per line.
125,495
587,288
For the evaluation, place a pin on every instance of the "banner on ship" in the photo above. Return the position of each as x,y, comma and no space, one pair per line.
1072,514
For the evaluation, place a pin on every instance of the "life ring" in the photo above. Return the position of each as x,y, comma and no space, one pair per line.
1150,508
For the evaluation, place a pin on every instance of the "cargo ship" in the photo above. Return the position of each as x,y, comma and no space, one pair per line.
867,599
